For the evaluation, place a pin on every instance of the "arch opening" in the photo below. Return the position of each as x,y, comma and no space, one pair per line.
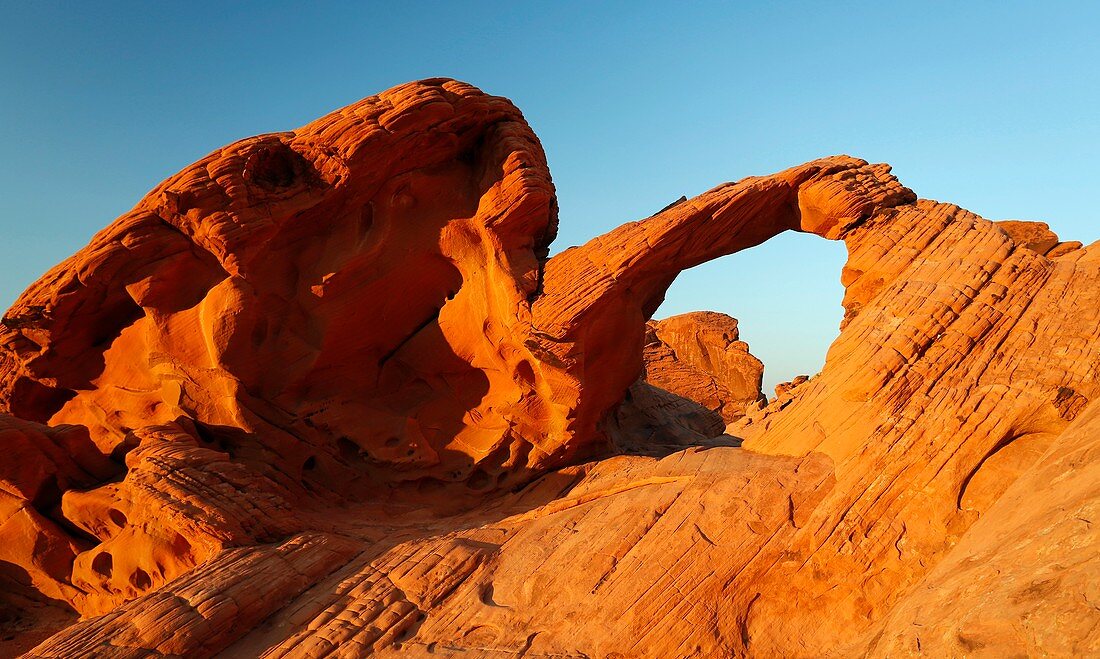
785,293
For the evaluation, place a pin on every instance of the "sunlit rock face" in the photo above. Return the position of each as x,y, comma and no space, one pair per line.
349,290
323,394
698,356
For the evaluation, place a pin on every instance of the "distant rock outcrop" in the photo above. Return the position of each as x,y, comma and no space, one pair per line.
698,356
323,393
1037,237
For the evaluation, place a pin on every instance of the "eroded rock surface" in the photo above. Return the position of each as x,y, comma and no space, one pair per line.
324,394
1022,581
698,356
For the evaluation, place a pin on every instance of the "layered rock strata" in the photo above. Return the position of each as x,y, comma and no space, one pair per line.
698,356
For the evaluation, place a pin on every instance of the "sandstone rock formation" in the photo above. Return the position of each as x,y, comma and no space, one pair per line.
698,356
324,394
1037,237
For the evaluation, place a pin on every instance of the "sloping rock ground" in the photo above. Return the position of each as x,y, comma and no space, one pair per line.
323,394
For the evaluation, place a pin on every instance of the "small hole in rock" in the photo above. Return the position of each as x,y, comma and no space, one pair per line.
478,480
310,463
140,579
117,517
525,372
103,564
271,167
349,450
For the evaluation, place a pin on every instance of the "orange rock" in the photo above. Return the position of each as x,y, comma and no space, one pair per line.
1023,578
653,421
698,356
180,504
783,389
39,464
347,290
1035,236
326,395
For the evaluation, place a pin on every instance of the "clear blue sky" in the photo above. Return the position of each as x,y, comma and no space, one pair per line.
991,105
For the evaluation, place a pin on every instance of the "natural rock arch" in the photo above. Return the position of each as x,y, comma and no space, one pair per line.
257,291
214,341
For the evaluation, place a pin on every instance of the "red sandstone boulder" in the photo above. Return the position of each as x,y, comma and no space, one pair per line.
698,356
1038,237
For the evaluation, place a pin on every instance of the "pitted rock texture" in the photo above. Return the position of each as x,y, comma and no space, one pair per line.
316,287
324,394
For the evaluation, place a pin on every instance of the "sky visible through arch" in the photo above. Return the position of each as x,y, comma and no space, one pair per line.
991,105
